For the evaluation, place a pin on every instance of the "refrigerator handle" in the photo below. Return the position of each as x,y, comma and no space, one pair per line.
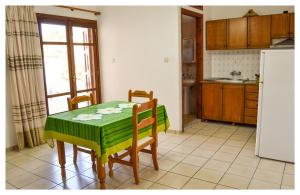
262,65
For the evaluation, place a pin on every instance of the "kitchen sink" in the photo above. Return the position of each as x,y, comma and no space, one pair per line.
227,80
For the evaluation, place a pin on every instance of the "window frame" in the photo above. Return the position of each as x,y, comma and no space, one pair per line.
70,22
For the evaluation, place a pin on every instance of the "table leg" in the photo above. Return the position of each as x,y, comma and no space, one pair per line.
101,173
61,157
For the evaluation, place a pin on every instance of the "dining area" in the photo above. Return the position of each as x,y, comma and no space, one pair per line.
109,132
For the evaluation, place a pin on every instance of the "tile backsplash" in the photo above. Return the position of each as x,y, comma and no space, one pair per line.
221,63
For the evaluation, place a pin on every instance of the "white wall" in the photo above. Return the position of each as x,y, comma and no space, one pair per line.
134,41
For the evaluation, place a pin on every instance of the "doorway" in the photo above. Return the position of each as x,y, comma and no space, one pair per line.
70,57
192,64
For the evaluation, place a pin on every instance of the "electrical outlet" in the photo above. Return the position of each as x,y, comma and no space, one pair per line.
166,60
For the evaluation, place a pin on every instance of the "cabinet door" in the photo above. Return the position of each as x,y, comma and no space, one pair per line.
211,101
233,103
237,33
292,22
259,31
216,34
280,26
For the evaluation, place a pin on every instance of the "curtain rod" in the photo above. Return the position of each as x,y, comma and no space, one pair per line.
79,9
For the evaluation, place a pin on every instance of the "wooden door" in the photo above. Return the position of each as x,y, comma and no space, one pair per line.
292,23
280,26
237,33
216,34
211,101
233,103
259,31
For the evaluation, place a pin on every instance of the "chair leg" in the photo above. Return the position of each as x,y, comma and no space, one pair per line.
110,166
74,153
93,158
135,166
154,155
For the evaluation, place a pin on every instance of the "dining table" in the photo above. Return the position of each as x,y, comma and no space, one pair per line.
104,133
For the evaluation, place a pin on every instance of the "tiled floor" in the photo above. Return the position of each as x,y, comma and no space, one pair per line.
206,156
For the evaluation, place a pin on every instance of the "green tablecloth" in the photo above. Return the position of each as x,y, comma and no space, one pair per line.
111,134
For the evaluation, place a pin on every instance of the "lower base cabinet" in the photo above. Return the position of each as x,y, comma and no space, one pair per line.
229,102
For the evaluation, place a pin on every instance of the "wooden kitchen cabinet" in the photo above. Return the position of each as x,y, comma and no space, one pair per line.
292,24
259,31
280,26
216,34
212,101
251,104
233,103
237,33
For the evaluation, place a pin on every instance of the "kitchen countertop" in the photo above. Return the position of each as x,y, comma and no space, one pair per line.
249,82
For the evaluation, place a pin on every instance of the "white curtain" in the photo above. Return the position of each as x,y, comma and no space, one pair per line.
24,62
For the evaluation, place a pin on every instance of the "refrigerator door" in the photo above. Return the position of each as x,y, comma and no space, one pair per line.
275,128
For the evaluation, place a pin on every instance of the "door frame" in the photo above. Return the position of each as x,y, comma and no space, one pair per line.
69,21
199,60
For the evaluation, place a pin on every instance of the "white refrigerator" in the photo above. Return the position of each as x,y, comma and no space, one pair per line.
275,122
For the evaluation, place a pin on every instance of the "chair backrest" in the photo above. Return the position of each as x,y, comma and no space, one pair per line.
151,120
139,93
73,103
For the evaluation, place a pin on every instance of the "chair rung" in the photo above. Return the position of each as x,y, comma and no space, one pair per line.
124,154
84,150
142,146
146,151
124,162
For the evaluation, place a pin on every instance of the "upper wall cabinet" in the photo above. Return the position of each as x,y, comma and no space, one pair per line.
216,34
292,23
237,33
280,26
259,31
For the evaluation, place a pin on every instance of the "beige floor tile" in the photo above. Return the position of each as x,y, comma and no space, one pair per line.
215,140
165,164
230,149
195,160
271,165
209,175
247,153
40,184
268,176
9,187
240,137
49,157
173,180
56,176
241,170
77,182
235,181
234,143
23,180
184,149
128,169
162,150
211,146
199,184
217,165
258,184
69,161
224,156
9,166
185,169
151,174
130,184
79,167
174,156
96,186
246,161
14,172
288,180
202,152
45,170
117,179
221,187
289,169
157,186
90,173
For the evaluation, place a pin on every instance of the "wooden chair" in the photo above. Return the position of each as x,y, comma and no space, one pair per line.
73,104
139,93
136,146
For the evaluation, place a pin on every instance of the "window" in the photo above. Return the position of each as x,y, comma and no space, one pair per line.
70,57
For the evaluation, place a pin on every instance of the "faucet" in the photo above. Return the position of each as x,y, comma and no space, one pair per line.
237,73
